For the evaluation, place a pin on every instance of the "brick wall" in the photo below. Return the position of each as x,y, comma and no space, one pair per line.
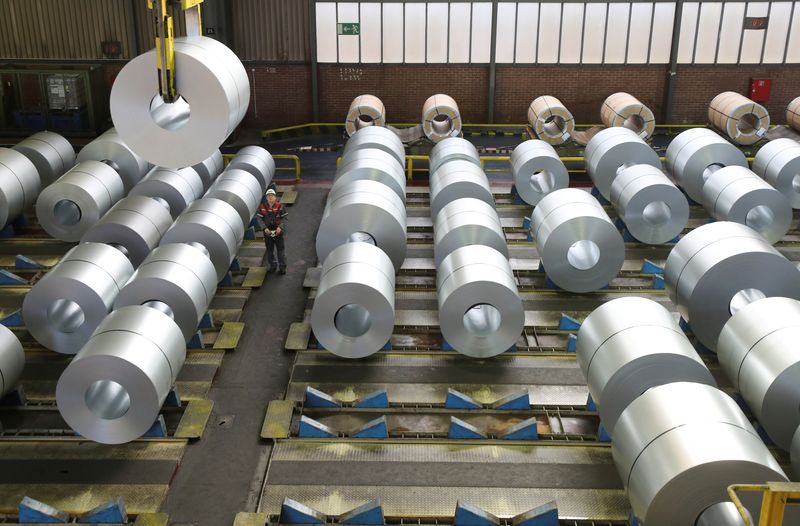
280,95
403,89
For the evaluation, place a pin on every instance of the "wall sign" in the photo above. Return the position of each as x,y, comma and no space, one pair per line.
756,22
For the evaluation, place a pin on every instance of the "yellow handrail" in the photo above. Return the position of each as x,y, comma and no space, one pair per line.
773,504
226,158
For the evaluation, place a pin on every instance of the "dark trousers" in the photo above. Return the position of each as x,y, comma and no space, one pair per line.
275,244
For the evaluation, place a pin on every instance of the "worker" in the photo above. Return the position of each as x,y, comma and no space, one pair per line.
272,219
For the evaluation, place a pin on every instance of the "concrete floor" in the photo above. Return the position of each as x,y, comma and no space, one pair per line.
223,472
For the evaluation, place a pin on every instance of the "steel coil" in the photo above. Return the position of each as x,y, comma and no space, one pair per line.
480,311
580,247
179,275
353,313
112,150
378,138
240,190
364,207
628,345
537,171
795,454
257,162
550,120
709,444
778,163
624,110
209,169
741,119
718,268
695,154
372,164
456,180
68,208
114,388
12,360
440,118
64,307
611,151
653,209
465,222
213,81
793,114
136,223
757,349
179,188
51,153
364,111
214,224
451,149
19,185
736,194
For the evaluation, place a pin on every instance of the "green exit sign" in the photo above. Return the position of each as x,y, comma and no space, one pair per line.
348,28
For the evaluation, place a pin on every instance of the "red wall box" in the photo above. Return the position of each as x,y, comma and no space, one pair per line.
759,89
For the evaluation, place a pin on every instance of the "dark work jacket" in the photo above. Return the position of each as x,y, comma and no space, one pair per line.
272,217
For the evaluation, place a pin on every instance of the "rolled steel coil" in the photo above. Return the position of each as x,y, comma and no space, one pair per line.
716,269
240,190
179,188
440,118
695,154
736,194
778,163
537,171
653,209
112,150
213,81
741,119
795,454
451,149
793,114
64,307
550,120
456,180
257,162
214,224
611,151
68,208
114,388
179,275
709,444
364,111
136,223
580,247
480,311
624,110
12,360
465,222
365,207
758,351
374,165
376,137
353,313
19,185
51,153
628,345
209,169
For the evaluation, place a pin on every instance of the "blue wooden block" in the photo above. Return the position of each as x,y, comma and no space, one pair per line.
112,512
226,281
684,325
525,430
316,398
458,400
702,349
446,346
373,429
590,405
375,400
469,515
572,343
207,321
14,319
387,346
9,278
568,323
597,195
292,512
515,401
648,267
627,237
632,520
541,268
369,514
515,197
462,430
526,223
15,397
158,429
658,282
544,515
21,221
310,428
7,231
235,265
763,434
254,223
602,434
196,342
26,263
32,511
250,233
173,399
